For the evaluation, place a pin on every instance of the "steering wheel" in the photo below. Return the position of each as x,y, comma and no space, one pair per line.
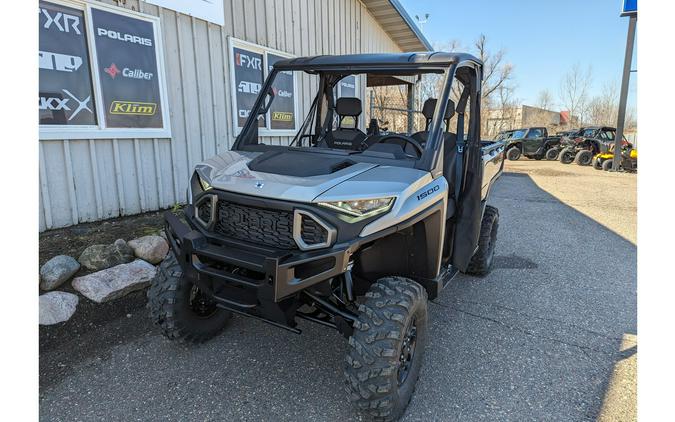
419,149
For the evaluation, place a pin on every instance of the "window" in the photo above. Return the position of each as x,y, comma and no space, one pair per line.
249,66
100,73
534,133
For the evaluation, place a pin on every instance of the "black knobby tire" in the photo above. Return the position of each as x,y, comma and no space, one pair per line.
379,372
584,157
597,164
179,309
481,262
566,156
607,164
552,154
513,154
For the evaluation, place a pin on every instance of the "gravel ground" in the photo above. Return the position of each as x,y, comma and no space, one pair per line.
548,335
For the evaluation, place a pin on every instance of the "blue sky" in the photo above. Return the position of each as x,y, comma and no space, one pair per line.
542,39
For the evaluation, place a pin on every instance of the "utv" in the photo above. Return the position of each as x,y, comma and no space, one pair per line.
532,142
586,144
351,231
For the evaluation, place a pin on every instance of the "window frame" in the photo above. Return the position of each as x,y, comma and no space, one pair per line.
101,130
233,43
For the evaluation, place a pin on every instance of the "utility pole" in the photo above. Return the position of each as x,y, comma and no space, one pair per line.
629,9
421,22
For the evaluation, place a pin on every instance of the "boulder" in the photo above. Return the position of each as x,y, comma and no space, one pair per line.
57,307
57,270
115,282
100,257
150,248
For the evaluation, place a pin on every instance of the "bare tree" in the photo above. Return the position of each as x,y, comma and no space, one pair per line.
604,107
545,99
574,91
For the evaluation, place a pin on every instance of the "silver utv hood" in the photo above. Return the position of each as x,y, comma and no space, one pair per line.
229,171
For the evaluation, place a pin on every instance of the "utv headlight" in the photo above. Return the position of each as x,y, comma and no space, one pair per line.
361,207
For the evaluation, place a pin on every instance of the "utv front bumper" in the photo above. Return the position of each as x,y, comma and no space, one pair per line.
249,274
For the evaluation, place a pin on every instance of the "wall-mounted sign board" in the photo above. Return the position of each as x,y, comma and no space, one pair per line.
250,64
101,73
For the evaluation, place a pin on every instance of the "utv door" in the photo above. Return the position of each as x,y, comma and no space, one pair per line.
533,141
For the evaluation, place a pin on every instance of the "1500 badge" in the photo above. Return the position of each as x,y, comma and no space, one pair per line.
428,192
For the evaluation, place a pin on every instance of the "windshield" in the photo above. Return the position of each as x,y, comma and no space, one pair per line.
387,115
518,134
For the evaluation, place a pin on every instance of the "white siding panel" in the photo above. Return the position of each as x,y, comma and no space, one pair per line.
83,180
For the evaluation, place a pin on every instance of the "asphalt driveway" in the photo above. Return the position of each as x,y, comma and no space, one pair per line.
540,338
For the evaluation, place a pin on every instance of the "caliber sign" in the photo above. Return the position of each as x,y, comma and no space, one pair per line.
282,110
127,63
65,96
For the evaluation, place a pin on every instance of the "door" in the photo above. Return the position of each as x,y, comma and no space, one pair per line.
533,141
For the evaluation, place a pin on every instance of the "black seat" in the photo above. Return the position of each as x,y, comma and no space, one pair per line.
346,137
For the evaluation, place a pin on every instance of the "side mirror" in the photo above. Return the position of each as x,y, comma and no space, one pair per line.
267,102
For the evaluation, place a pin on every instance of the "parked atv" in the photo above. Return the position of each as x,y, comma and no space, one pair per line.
532,142
605,160
351,231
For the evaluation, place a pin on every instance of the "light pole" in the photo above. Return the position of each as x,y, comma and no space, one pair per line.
629,9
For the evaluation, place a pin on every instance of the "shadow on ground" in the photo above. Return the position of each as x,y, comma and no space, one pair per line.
537,339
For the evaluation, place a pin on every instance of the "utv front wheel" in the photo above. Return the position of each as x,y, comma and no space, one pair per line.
597,164
566,156
584,157
180,309
552,154
481,261
386,350
513,154
607,165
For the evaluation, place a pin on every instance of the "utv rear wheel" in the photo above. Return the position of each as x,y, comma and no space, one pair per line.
552,154
387,348
513,154
597,164
180,309
566,156
584,157
607,164
481,262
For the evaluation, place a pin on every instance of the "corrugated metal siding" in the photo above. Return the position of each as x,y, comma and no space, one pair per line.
89,180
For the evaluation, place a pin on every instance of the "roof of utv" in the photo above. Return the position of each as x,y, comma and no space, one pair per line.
379,60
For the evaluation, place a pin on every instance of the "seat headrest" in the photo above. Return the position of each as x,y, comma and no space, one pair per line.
348,106
430,106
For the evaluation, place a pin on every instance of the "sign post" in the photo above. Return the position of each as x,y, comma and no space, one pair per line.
629,9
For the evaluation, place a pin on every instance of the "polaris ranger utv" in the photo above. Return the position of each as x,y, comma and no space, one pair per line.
351,231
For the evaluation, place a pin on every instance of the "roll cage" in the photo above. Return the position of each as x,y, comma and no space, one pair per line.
331,69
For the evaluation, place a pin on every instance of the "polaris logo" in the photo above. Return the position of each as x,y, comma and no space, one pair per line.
428,192
58,104
60,62
61,21
249,62
119,36
248,87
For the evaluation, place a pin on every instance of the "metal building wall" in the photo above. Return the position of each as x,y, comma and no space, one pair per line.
89,180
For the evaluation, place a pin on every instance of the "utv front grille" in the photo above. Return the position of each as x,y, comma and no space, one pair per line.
262,226
311,232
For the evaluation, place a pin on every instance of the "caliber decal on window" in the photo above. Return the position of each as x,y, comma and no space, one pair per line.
65,96
248,78
127,63
282,110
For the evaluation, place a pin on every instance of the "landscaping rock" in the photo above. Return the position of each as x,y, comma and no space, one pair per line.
57,270
100,257
115,282
57,307
150,248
